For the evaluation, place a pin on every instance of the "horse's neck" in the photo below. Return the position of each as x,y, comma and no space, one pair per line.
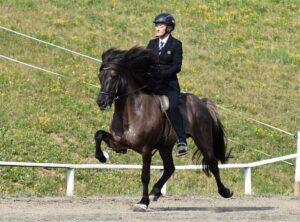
127,112
129,108
128,105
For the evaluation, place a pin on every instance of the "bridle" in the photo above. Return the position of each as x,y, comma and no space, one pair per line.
117,85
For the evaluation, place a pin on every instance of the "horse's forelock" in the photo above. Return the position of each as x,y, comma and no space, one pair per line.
113,56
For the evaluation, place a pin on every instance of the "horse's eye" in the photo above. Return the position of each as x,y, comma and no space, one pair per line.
114,76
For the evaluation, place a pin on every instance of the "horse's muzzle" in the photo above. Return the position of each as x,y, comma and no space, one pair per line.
104,103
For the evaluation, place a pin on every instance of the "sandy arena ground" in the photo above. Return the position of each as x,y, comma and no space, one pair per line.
174,209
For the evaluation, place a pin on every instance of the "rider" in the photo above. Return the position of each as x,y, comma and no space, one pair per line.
169,51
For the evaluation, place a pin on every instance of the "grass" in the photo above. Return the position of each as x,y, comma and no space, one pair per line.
244,55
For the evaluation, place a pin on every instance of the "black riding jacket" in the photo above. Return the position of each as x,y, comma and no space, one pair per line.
170,58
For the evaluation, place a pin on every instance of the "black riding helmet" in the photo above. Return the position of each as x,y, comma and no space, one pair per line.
167,19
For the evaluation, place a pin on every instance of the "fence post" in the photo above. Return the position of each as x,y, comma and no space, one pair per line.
164,188
70,181
297,170
247,175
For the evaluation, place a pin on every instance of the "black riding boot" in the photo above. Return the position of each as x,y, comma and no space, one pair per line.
177,122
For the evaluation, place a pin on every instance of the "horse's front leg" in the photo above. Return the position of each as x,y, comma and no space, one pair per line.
142,205
108,139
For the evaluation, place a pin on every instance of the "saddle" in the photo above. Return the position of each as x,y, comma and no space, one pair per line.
164,102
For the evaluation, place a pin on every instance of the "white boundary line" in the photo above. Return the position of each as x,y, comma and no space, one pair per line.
48,43
89,57
45,70
258,151
63,76
257,121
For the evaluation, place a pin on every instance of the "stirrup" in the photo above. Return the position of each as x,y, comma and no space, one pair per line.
182,149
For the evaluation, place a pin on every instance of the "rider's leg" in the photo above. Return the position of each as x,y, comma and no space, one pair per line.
177,121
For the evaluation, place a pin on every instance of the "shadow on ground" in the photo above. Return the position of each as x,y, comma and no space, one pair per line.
215,209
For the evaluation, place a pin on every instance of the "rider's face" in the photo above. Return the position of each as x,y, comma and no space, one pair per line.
160,29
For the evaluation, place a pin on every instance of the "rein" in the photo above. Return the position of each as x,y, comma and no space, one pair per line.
127,94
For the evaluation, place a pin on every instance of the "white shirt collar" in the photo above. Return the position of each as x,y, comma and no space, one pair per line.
164,40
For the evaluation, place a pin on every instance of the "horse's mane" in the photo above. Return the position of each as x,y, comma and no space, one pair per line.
113,58
140,63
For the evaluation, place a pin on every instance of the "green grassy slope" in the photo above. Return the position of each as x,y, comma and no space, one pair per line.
244,55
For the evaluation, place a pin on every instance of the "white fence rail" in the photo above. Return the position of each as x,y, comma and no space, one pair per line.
71,169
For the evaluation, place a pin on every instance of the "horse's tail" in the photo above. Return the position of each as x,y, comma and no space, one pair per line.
219,138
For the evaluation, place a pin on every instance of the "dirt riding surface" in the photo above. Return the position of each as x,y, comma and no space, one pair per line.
187,208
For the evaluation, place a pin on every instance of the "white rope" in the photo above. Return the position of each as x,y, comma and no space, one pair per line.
45,70
89,57
48,43
63,76
257,121
259,151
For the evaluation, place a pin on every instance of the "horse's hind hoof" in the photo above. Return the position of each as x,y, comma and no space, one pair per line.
155,194
140,207
226,193
230,194
153,198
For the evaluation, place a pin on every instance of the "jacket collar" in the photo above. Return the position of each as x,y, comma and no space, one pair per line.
165,39
167,44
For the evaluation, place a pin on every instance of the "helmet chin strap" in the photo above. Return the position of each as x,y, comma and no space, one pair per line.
169,29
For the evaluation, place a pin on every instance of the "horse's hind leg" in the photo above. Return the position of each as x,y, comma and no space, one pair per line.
213,167
206,146
169,168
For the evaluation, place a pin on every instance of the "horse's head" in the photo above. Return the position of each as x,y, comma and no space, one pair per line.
111,80
120,68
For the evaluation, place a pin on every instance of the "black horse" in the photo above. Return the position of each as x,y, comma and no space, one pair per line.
126,79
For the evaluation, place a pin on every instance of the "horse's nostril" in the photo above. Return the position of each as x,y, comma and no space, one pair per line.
100,103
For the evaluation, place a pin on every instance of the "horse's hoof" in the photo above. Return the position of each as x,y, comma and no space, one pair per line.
103,157
227,193
230,194
140,207
153,198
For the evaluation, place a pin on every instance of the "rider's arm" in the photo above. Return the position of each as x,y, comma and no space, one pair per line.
175,66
